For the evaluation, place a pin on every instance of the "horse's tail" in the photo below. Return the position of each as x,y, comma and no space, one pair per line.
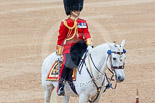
53,96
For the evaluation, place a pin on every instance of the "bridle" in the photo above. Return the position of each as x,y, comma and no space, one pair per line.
113,68
109,52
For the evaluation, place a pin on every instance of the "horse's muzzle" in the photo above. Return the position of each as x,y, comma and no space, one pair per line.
120,78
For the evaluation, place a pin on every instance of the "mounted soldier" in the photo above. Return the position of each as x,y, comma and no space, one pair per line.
72,30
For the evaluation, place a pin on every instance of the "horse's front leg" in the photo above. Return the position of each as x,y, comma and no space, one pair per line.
83,98
100,95
65,99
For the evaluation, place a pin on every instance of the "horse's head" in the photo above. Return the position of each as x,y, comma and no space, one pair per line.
117,60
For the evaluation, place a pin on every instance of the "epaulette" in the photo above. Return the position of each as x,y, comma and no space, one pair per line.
82,19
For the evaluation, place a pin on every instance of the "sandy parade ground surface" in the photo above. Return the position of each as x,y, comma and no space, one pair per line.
29,30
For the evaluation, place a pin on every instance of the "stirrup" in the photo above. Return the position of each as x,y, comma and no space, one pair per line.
61,91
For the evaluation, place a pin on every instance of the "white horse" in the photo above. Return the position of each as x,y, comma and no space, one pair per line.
105,56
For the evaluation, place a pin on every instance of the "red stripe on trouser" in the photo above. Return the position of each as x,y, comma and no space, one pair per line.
61,71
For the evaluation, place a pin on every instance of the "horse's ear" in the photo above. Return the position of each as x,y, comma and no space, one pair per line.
107,41
123,43
110,45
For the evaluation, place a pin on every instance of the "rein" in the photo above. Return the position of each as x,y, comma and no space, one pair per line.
105,76
82,62
93,79
111,69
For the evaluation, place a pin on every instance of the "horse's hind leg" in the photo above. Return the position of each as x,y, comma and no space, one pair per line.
48,90
65,99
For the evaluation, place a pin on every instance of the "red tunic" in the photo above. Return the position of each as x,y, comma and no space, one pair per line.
68,36
82,29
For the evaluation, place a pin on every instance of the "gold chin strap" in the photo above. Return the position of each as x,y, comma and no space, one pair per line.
89,41
75,14
60,49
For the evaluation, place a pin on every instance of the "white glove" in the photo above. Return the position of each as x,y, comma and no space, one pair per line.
59,57
89,48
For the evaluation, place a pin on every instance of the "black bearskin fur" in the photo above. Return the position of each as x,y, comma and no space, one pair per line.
71,5
77,51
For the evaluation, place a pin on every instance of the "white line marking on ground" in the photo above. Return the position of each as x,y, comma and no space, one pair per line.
119,3
29,2
29,9
97,4
21,95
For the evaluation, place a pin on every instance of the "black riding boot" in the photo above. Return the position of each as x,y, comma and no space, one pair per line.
61,91
65,73
61,84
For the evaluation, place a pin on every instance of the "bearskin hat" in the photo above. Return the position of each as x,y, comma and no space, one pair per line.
72,5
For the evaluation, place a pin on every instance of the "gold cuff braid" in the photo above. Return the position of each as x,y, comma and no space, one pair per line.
89,41
60,49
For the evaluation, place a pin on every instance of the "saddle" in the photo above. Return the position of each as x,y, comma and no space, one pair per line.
53,73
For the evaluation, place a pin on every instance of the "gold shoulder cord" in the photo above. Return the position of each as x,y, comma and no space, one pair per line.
65,23
70,29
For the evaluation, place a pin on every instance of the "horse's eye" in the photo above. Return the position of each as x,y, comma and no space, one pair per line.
114,58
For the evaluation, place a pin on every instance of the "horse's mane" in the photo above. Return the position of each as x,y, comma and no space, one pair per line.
77,51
